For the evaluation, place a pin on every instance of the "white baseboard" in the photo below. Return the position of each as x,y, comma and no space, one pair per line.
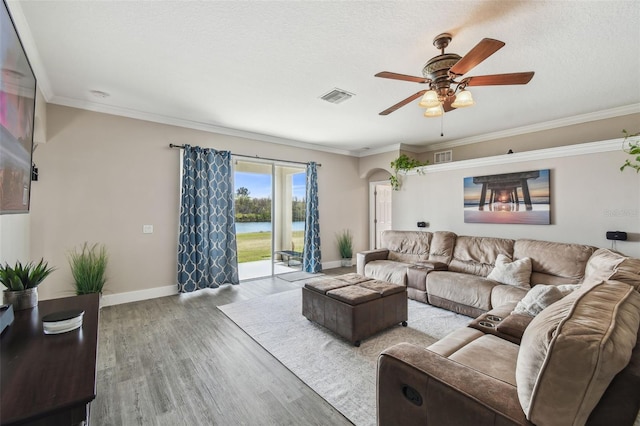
152,293
332,264
135,296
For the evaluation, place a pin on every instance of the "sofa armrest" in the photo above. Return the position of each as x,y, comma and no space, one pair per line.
365,257
418,387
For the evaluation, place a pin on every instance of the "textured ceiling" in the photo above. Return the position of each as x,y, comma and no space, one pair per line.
259,68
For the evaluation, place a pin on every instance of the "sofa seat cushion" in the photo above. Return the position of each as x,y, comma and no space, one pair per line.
573,349
387,270
490,355
465,289
503,294
455,340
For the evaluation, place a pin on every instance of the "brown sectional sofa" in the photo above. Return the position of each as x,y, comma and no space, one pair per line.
576,362
463,287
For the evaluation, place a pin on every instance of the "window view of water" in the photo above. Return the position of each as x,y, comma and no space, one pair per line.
248,227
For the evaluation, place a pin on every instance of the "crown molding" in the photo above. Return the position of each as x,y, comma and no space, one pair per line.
156,118
548,125
518,157
380,150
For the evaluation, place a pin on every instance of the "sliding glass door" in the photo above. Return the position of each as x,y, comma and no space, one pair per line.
270,209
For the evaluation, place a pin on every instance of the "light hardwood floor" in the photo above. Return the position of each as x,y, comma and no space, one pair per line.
178,360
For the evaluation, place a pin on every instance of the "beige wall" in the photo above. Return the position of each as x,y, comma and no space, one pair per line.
589,197
14,243
371,164
593,131
102,177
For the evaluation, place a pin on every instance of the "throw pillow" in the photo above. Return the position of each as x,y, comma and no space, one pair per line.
567,289
602,264
538,298
506,271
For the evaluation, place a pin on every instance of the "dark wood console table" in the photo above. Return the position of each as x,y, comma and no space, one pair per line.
49,379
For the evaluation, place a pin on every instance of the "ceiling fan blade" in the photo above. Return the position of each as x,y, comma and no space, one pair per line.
403,102
479,53
500,79
404,77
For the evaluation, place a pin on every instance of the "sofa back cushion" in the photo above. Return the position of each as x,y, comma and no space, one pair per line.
477,255
573,349
554,263
442,245
605,264
407,246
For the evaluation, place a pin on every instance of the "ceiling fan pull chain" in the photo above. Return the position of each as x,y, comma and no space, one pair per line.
442,125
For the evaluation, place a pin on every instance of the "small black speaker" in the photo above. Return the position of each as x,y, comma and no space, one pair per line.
617,235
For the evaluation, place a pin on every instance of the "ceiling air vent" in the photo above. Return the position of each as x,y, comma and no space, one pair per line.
443,157
336,96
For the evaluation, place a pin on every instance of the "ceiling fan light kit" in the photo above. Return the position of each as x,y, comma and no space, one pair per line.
430,99
463,99
441,72
434,111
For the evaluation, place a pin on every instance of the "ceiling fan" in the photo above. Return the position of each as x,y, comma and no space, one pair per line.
443,72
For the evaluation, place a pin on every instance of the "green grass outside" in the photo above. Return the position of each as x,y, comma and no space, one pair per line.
257,245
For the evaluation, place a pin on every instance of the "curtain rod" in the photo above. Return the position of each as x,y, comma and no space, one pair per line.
171,145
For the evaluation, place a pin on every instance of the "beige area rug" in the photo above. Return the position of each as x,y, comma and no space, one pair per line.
345,376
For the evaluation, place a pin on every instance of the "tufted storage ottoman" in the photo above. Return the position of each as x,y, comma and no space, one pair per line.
353,306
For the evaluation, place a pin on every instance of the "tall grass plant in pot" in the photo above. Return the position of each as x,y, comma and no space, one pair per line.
88,267
345,247
22,283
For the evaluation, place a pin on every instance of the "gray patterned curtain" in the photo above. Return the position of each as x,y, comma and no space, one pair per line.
311,256
207,252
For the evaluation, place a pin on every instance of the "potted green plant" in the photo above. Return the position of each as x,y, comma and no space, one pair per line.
88,267
22,283
404,163
631,145
345,246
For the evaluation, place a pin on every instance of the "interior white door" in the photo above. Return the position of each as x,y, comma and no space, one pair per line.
382,201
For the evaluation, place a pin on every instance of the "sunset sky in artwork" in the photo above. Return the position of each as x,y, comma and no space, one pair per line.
538,188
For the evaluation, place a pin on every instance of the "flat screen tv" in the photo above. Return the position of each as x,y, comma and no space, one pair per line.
17,111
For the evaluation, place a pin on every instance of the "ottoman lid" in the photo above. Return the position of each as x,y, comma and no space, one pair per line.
353,295
382,287
324,285
353,278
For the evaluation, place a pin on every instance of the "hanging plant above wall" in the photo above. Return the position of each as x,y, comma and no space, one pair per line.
404,163
631,145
